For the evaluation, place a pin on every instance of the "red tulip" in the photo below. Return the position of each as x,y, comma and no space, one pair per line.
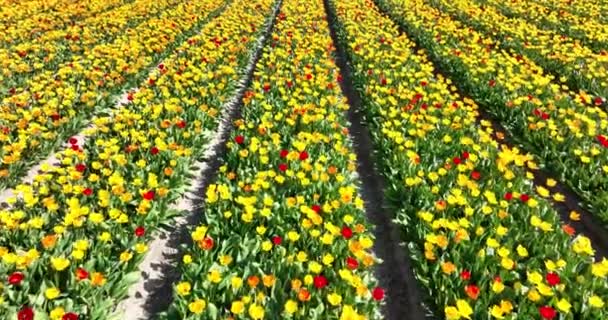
277,240
320,282
80,167
140,231
283,167
26,313
239,139
465,274
303,155
598,101
347,232
378,294
524,197
552,278
284,153
547,312
352,263
15,278
472,291
508,196
70,316
603,140
475,175
81,274
87,191
149,195
207,243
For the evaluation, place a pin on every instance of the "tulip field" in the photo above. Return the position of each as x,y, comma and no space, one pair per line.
289,159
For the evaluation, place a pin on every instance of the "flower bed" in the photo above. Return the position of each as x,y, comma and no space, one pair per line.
71,242
590,32
49,51
58,103
566,131
284,233
578,65
26,19
592,10
484,242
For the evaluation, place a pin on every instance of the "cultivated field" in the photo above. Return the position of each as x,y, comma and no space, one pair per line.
320,159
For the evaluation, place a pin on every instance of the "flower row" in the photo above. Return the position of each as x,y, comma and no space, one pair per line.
577,64
566,131
51,50
283,234
592,10
72,240
57,103
484,242
590,32
11,11
25,21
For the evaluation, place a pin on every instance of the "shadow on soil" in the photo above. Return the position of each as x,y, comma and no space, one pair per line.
161,290
589,225
404,300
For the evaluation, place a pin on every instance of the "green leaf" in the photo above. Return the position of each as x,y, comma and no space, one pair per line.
40,315
131,278
212,310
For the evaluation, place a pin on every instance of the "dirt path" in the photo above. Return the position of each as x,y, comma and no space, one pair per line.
404,300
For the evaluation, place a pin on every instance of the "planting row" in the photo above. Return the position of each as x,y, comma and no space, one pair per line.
592,10
55,104
567,132
71,241
590,32
11,11
484,242
579,66
49,50
25,21
283,234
